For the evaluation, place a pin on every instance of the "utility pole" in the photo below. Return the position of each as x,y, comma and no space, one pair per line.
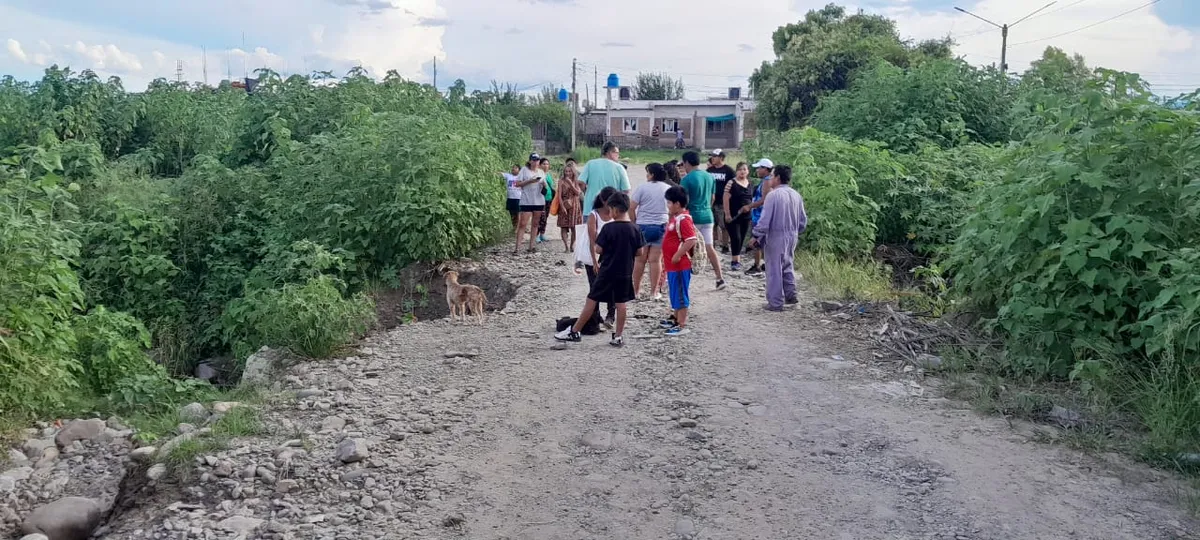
574,104
1004,32
204,52
435,73
595,87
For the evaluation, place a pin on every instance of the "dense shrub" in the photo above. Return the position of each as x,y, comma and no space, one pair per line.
393,189
112,347
1085,251
312,318
38,289
943,102
841,219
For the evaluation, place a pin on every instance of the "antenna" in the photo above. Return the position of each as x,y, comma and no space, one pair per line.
245,57
179,71
204,52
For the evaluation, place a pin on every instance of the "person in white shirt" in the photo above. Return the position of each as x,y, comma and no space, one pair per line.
531,180
514,194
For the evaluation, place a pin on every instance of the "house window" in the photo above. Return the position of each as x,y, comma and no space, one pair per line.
629,125
715,127
670,125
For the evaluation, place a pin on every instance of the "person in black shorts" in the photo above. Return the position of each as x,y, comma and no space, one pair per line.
618,244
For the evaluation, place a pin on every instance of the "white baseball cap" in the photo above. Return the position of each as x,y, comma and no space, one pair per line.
764,162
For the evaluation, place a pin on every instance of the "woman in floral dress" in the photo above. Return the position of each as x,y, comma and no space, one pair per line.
570,205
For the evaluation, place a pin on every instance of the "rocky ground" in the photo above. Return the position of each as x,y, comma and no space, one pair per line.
756,426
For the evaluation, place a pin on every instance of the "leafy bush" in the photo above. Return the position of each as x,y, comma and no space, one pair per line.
38,290
313,319
1084,254
394,189
112,347
841,220
941,102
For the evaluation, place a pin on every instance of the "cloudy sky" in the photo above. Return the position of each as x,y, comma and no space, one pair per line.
711,44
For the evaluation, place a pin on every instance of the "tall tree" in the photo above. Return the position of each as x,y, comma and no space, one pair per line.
821,54
1058,72
657,86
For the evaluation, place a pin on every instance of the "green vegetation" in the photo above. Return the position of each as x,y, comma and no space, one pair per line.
145,232
843,279
1058,209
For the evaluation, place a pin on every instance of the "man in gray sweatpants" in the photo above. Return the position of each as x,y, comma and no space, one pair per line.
777,231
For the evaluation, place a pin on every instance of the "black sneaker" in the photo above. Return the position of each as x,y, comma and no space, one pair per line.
724,249
568,334
667,324
617,341
791,301
720,284
754,271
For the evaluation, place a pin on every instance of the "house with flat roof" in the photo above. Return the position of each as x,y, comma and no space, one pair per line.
711,123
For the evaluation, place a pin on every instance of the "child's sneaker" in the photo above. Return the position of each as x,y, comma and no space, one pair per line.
568,334
755,270
677,331
667,324
720,284
735,266
617,341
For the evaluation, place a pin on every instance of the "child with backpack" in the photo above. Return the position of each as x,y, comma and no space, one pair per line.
679,243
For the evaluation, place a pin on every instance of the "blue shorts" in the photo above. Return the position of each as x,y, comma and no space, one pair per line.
653,233
678,284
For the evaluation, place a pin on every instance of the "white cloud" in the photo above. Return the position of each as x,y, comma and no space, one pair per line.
14,49
102,57
532,42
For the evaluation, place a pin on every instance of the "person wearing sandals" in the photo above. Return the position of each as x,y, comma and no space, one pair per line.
649,211
570,205
531,180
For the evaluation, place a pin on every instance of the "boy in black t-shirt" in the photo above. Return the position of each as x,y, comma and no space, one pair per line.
618,244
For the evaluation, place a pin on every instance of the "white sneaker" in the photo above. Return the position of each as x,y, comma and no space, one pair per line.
658,297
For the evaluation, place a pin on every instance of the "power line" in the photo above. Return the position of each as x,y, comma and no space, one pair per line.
1053,11
1095,24
1004,31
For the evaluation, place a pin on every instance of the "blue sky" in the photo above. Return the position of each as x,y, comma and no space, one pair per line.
532,42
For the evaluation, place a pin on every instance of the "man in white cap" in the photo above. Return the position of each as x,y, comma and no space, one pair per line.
762,169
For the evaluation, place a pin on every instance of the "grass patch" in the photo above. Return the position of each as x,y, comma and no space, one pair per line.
180,459
838,279
240,422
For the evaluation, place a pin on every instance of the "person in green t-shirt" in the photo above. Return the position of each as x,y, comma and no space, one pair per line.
701,188
544,164
603,172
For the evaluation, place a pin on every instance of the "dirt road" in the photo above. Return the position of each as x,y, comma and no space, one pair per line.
758,425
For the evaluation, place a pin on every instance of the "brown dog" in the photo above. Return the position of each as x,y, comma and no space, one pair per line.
464,299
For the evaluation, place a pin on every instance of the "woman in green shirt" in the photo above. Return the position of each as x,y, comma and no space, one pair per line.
545,166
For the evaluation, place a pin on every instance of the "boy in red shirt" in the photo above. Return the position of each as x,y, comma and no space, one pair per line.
678,240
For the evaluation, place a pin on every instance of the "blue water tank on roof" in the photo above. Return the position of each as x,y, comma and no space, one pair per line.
613,81
562,94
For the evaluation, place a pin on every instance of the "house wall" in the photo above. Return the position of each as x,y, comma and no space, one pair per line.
650,114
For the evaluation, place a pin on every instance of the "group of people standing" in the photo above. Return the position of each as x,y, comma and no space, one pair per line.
619,236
